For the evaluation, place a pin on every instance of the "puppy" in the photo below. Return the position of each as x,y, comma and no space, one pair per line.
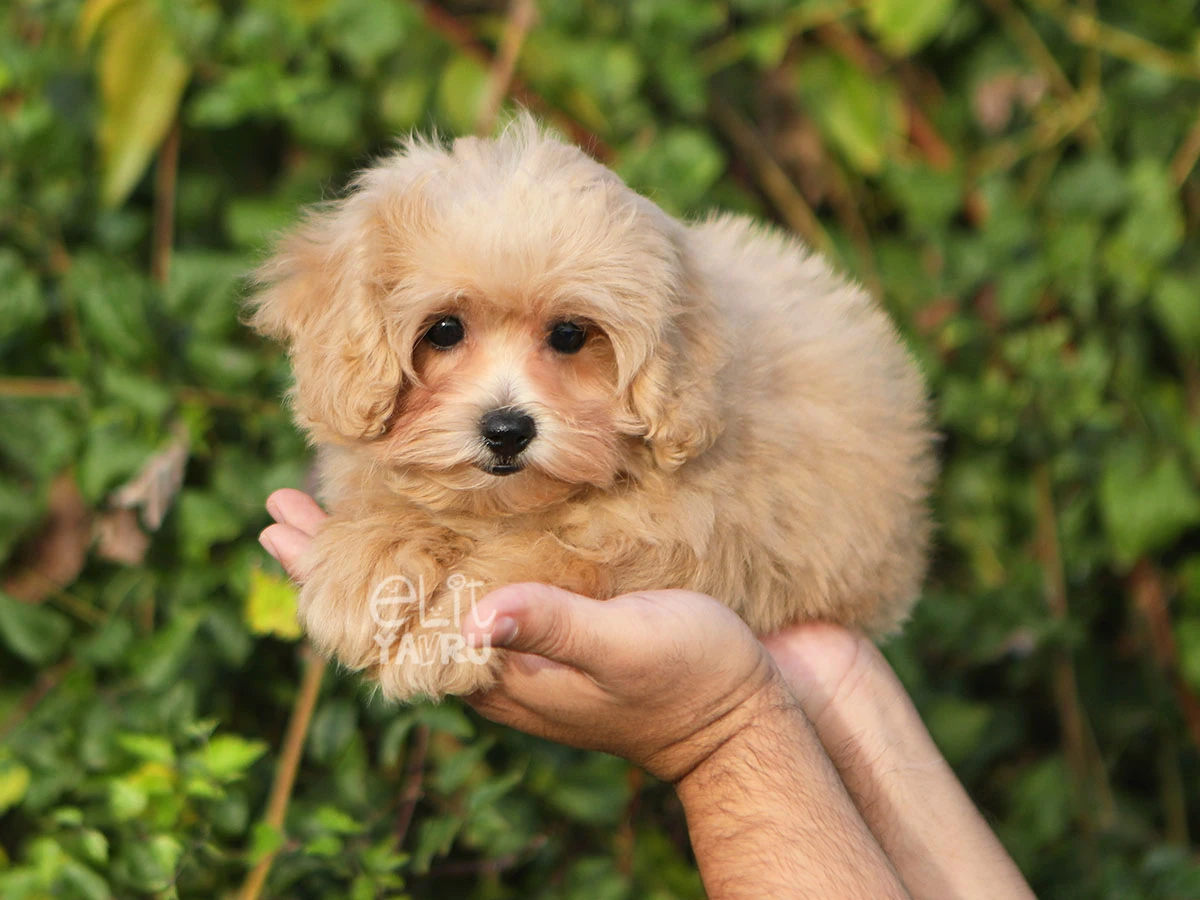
515,368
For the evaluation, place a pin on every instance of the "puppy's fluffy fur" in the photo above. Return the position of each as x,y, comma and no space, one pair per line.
740,420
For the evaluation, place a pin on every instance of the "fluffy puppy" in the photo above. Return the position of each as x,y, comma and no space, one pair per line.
515,368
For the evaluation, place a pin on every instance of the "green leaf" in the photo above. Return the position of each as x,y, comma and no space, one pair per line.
14,782
94,845
460,93
861,115
126,799
904,26
35,633
21,304
158,660
332,728
333,819
435,836
271,606
1176,304
265,839
1187,634
83,882
958,727
228,756
204,521
147,746
1147,502
142,76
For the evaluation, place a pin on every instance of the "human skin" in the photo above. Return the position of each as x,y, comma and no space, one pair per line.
907,792
676,683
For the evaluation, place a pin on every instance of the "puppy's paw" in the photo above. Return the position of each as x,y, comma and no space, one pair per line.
358,591
435,664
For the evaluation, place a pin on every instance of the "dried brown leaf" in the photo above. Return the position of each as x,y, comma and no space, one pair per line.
53,559
154,488
120,539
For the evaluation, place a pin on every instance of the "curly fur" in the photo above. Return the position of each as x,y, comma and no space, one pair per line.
741,422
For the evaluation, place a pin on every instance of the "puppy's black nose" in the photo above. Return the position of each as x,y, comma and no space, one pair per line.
507,431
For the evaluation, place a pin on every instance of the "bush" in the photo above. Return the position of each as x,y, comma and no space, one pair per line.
1015,180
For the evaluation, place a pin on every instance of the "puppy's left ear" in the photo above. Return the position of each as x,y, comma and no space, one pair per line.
677,395
321,294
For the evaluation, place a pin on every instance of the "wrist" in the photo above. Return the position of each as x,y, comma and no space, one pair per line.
722,743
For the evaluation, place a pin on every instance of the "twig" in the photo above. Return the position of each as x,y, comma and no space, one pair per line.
414,773
490,866
37,388
846,207
1027,38
458,34
1149,599
1187,155
47,681
925,137
521,16
1084,28
165,177
1172,791
769,173
1042,136
1072,718
731,49
625,844
922,133
289,764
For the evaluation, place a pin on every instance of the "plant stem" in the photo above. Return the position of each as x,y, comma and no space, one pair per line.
289,764
414,773
165,178
1084,28
769,174
521,16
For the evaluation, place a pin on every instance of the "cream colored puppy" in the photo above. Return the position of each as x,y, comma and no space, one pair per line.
517,369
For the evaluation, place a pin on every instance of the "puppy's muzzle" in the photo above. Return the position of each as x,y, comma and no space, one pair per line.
506,433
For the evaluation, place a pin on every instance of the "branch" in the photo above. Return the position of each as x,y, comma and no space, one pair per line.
414,772
1056,128
1027,38
164,205
289,764
47,681
1071,715
521,16
1084,28
37,388
1187,155
458,34
769,173
1149,599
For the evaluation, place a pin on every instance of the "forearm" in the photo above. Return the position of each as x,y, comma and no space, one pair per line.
769,817
908,795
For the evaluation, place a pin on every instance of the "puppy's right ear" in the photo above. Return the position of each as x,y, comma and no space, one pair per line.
321,294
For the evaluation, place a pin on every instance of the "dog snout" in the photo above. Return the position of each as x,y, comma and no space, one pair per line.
507,431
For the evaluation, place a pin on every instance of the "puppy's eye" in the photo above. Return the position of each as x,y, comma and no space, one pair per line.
445,332
567,337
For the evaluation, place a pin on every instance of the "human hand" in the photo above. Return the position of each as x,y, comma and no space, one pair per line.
913,803
660,678
676,683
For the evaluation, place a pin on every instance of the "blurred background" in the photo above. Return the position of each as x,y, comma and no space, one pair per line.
1015,179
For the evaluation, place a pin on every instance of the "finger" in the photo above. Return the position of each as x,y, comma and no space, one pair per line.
287,544
296,508
816,659
545,621
541,697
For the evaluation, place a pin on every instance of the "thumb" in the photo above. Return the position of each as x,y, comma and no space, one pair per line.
543,620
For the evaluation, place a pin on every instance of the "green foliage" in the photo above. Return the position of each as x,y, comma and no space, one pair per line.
1017,184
